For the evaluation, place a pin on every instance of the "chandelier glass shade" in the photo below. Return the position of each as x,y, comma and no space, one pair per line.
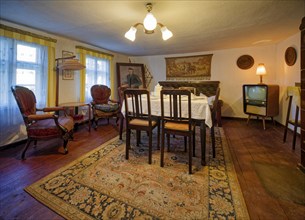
150,23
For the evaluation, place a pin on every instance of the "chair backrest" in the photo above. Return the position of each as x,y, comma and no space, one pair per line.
26,101
171,105
100,94
215,105
137,104
121,90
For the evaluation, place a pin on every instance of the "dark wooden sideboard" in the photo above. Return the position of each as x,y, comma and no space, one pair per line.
207,88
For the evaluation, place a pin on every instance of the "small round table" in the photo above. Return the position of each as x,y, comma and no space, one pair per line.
74,109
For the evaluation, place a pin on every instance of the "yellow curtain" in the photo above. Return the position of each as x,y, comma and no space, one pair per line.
83,51
18,34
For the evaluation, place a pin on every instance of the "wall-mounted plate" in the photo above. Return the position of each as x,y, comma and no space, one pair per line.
290,56
245,62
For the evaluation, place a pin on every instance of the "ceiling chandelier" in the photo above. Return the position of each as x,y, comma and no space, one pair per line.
150,23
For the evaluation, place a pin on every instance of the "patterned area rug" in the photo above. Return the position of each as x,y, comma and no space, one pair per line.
103,185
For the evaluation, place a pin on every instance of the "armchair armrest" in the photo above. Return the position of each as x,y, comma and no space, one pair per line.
41,117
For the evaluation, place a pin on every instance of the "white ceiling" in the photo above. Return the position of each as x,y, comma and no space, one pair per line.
197,25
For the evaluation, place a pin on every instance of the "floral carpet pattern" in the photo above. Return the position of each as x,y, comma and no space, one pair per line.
104,185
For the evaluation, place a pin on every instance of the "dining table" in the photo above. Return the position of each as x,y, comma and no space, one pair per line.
200,108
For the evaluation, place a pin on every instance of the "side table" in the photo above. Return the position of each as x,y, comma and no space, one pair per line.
73,108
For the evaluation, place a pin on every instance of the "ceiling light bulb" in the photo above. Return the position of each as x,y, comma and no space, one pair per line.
166,34
131,34
150,22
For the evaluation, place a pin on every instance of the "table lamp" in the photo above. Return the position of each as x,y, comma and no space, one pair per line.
260,71
68,63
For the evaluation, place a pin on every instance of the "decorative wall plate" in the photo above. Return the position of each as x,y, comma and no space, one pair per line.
290,56
245,62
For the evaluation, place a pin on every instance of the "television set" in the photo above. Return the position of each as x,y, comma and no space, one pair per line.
261,100
255,94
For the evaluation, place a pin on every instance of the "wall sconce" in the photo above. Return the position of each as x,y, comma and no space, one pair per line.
68,63
150,23
260,71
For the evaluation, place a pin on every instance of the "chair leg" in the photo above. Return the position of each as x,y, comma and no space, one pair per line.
95,120
138,134
295,127
287,118
25,148
213,141
190,155
194,143
127,143
158,144
162,148
121,126
150,148
168,142
65,146
185,143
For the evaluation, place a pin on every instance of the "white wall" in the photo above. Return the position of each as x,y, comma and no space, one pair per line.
69,89
225,70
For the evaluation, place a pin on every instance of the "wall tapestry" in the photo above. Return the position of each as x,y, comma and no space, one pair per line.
190,67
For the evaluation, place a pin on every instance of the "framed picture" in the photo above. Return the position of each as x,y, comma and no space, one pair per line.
131,75
66,54
190,67
67,74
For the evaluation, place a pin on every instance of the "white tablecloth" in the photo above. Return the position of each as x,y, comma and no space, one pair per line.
200,108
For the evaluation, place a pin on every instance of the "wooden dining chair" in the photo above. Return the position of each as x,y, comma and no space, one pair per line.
174,122
293,95
138,117
213,108
121,90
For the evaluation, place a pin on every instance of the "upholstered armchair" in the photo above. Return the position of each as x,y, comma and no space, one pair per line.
45,125
102,106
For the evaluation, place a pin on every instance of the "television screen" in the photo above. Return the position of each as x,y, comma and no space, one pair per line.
256,94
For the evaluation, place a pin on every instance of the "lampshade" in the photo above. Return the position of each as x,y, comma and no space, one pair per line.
71,64
261,70
150,22
131,34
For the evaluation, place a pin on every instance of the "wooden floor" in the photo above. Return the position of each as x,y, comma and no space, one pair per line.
246,143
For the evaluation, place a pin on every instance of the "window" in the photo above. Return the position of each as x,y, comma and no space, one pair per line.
23,64
97,72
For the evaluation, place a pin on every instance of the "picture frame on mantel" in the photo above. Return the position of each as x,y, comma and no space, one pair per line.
189,67
67,74
131,75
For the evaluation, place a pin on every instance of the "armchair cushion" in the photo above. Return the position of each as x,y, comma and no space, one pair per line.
110,107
